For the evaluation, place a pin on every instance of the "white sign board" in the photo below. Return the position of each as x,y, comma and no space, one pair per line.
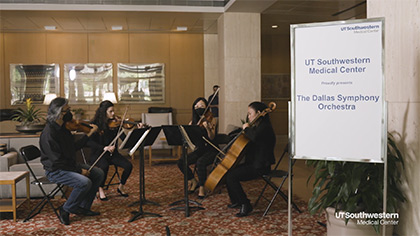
337,110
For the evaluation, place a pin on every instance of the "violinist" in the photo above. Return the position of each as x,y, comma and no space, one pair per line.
58,156
100,142
204,155
259,156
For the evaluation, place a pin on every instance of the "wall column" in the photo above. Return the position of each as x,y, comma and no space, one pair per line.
239,66
211,63
402,75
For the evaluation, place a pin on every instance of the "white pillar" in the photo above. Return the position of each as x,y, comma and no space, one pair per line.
402,74
239,66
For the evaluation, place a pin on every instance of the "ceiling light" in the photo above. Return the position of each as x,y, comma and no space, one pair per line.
116,27
182,28
50,27
274,26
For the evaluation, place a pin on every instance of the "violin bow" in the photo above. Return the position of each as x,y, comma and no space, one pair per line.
113,142
205,110
119,129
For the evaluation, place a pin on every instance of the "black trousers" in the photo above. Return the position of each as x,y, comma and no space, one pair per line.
203,157
118,160
238,174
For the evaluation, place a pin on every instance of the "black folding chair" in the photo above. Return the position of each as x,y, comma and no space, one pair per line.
279,174
113,176
29,153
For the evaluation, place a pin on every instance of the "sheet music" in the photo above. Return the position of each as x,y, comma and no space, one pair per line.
122,144
187,138
139,142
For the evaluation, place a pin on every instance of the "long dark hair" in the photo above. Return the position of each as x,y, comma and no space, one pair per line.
100,119
195,116
260,106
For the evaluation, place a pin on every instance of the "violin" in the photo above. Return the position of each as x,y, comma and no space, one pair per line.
128,123
208,116
77,125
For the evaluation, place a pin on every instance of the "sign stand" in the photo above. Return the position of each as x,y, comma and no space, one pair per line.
338,91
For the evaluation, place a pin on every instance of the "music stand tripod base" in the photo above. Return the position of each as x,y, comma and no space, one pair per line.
142,214
148,138
176,135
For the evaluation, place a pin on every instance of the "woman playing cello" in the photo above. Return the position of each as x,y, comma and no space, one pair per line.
100,142
202,156
258,157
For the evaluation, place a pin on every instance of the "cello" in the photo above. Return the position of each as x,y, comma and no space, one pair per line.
234,155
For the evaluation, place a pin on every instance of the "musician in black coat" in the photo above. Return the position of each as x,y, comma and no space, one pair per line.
259,157
204,155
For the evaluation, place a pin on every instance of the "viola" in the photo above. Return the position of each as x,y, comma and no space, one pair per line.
234,155
128,123
77,125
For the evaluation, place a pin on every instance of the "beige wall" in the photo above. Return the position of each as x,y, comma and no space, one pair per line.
402,74
183,55
3,85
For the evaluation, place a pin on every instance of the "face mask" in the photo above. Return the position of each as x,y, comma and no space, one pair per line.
200,111
68,116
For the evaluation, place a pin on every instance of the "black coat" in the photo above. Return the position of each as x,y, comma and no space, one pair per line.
58,148
260,149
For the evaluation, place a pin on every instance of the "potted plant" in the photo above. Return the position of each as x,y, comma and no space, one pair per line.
355,187
30,118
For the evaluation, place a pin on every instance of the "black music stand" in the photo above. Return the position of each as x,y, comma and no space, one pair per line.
174,136
132,141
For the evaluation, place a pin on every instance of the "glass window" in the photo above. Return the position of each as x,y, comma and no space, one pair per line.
33,81
87,83
141,83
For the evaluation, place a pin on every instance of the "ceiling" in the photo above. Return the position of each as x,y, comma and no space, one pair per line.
166,18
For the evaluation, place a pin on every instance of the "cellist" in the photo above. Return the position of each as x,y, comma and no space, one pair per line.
259,156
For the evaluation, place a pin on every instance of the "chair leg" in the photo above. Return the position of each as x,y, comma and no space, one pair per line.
43,202
112,177
63,194
150,155
279,192
261,194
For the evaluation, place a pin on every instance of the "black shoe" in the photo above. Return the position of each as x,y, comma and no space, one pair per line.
201,197
121,193
234,205
86,212
64,216
103,199
245,210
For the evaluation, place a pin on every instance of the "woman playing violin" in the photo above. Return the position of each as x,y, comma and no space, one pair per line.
204,155
100,142
259,156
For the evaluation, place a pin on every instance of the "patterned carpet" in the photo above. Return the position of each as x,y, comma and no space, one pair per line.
164,185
